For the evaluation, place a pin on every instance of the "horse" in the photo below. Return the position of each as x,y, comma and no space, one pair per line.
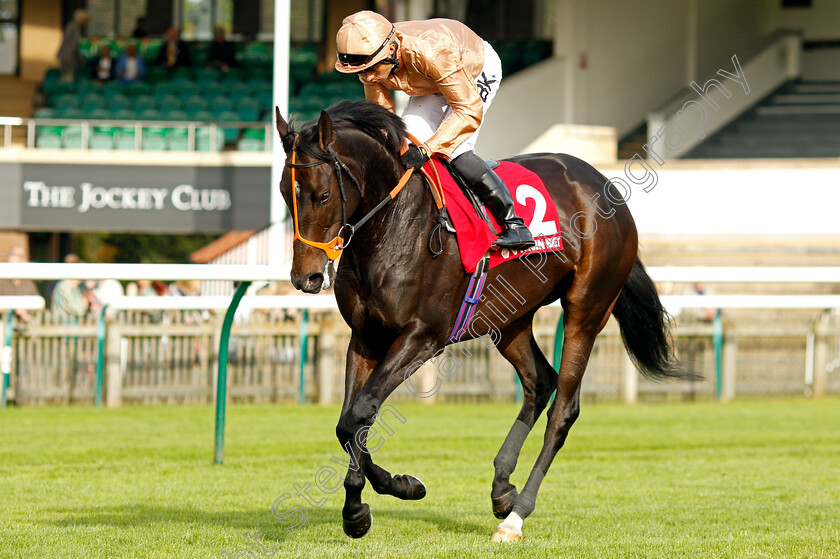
401,301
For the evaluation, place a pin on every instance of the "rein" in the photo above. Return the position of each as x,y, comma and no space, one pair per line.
334,247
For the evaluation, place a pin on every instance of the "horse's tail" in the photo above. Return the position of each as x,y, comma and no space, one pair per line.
644,328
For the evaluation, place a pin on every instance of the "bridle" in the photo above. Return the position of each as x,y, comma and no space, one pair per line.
345,233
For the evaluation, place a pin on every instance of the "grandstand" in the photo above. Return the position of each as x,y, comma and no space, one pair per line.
174,110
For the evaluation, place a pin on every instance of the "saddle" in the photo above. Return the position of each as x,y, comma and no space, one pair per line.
475,228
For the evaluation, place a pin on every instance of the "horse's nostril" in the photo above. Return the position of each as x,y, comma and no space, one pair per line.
314,282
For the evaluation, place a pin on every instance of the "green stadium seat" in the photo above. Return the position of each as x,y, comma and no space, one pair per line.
203,140
123,114
231,133
195,103
86,87
154,139
177,139
168,102
144,102
48,140
259,82
183,72
248,114
214,89
201,116
265,99
119,102
165,88
150,114
66,101
52,75
72,137
176,115
149,50
254,133
156,74
97,114
206,75
220,105
125,139
44,112
237,96
70,112
136,88
250,144
92,100
101,141
183,84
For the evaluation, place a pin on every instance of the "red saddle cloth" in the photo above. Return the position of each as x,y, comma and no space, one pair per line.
531,202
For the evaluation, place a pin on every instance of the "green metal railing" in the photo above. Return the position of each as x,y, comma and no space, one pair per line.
6,358
221,381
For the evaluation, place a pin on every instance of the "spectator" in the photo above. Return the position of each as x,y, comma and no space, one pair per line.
102,293
141,288
18,286
68,52
130,66
103,68
68,298
185,288
141,30
175,53
222,54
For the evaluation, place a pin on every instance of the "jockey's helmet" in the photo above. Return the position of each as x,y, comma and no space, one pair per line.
362,41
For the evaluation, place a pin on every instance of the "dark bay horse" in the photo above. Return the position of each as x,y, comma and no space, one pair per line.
401,302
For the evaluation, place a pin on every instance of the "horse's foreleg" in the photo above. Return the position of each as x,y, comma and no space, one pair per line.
360,365
538,380
355,425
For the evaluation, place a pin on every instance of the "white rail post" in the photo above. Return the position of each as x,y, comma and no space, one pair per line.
730,364
629,381
326,358
113,375
820,358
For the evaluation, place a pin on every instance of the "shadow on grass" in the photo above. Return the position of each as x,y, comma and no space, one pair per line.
141,515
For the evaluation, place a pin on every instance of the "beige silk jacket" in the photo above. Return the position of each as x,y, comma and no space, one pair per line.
437,56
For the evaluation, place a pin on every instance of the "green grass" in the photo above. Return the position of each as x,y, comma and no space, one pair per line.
749,479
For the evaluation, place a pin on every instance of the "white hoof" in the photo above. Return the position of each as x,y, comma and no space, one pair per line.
510,530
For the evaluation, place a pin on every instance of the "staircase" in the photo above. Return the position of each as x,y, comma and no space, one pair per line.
632,143
799,120
16,100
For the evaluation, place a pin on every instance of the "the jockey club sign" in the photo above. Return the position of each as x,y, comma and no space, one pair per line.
86,197
134,198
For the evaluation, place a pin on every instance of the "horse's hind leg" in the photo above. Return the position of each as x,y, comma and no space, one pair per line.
538,379
581,323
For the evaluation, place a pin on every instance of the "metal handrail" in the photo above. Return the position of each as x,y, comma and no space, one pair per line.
192,127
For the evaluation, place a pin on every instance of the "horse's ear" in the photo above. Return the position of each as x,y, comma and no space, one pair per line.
283,129
325,130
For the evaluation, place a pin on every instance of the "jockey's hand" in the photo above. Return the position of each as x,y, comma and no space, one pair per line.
415,157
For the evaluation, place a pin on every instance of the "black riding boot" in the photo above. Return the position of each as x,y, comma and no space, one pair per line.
496,196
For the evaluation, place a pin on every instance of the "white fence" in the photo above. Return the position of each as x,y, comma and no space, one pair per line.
165,348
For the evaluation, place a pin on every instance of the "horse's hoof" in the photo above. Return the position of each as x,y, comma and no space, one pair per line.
504,504
359,526
506,534
416,488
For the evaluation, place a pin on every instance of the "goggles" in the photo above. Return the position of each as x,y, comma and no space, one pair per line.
362,59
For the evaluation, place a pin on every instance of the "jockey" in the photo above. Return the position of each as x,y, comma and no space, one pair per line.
452,76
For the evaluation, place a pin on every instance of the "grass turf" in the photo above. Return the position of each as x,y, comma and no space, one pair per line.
749,479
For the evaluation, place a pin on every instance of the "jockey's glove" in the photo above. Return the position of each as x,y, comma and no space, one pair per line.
415,157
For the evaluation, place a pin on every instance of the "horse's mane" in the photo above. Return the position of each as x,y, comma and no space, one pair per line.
374,120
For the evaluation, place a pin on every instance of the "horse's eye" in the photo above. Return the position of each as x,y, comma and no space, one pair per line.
324,198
